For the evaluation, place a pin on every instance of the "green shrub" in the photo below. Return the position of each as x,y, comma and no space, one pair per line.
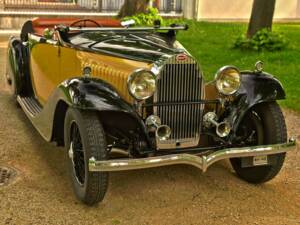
146,19
262,40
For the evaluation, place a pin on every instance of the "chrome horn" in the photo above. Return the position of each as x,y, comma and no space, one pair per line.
163,132
222,129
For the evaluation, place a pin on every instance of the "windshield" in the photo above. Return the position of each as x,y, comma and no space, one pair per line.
98,39
138,45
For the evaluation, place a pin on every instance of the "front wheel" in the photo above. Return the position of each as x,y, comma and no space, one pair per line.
85,138
262,125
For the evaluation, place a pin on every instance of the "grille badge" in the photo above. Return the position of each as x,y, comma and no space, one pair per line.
181,57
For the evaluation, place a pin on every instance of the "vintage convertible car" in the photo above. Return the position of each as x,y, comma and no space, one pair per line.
124,97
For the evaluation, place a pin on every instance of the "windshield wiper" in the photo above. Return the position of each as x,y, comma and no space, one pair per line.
151,42
104,39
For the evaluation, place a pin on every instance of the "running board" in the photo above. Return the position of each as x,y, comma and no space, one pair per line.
37,115
30,105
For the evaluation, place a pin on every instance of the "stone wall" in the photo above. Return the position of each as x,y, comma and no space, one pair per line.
241,9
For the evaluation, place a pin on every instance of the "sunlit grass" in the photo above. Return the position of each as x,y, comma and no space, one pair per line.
211,44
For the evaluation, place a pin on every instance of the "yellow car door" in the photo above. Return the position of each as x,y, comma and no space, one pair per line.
44,66
70,63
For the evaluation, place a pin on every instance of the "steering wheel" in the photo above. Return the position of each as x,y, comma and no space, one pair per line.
84,21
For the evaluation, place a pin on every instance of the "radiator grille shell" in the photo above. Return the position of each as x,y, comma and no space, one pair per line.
180,81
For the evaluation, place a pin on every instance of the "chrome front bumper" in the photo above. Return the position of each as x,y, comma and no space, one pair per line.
201,162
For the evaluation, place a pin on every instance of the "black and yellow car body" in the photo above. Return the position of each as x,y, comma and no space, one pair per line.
121,98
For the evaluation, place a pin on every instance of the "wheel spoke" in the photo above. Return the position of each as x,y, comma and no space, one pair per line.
78,158
252,131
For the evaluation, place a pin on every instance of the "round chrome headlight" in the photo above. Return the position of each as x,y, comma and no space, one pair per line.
228,80
142,84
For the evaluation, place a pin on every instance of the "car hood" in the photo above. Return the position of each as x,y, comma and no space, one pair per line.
142,46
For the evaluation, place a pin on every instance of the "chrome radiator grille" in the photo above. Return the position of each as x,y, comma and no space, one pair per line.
180,81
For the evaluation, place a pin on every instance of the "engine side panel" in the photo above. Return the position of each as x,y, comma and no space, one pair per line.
113,70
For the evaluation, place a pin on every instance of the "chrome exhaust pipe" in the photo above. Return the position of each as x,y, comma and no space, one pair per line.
162,132
222,129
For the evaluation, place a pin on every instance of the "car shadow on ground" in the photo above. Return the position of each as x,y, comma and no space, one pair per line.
144,183
166,195
53,160
182,190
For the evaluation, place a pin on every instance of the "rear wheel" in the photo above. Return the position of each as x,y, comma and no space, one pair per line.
264,124
85,138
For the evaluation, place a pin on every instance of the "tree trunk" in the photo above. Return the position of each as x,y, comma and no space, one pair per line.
261,16
132,7
156,4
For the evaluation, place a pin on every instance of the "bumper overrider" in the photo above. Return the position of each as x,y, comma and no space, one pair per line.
201,162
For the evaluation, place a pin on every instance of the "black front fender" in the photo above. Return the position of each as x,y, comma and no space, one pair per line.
255,88
93,94
120,119
260,87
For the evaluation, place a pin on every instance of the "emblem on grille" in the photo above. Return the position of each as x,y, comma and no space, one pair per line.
181,57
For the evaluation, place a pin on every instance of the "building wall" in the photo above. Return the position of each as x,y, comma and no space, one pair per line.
241,9
188,9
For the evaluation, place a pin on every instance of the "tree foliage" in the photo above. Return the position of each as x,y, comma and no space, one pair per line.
146,19
263,40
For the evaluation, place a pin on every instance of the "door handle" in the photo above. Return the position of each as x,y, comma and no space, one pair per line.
59,51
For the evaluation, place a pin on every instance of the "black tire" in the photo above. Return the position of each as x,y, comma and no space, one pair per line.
89,141
272,131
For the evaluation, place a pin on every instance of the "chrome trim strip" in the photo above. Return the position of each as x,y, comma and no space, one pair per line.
202,162
180,27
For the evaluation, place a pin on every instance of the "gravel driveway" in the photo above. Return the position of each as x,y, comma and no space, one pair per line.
42,193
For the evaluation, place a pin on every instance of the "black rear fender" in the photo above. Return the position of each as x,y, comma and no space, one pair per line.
17,71
15,64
